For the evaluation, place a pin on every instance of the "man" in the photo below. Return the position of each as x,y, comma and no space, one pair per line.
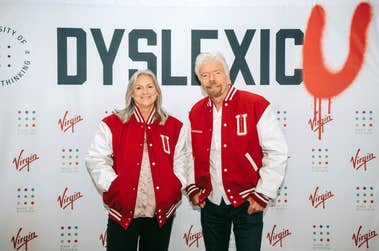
240,156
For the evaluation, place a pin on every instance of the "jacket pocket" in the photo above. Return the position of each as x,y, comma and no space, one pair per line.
115,194
251,161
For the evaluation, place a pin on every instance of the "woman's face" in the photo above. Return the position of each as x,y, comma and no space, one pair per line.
144,93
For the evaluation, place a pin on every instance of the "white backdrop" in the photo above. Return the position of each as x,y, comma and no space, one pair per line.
329,199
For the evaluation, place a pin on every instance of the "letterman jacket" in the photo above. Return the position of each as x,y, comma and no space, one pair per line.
114,164
253,154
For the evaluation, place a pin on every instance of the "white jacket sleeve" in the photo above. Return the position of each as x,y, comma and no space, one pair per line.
190,188
181,157
190,167
99,160
275,154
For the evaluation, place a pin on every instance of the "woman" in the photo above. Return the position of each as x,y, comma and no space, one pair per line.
137,161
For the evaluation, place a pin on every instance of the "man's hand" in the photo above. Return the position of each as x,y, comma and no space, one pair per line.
254,207
196,200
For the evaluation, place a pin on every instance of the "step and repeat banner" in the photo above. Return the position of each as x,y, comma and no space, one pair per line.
64,65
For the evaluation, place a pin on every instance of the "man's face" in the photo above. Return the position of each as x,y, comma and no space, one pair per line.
213,78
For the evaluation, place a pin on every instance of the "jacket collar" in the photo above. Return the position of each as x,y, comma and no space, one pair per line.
229,95
139,118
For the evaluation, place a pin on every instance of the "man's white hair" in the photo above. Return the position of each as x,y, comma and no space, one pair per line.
206,56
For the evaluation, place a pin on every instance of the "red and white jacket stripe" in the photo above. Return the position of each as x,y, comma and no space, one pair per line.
114,163
254,150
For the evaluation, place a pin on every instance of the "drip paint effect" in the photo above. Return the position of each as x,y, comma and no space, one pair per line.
321,82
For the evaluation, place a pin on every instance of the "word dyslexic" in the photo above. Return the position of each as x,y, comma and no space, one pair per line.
285,74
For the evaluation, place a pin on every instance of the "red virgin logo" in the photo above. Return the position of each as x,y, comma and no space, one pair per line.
359,161
318,124
103,238
21,240
69,123
192,238
319,199
21,161
363,238
66,200
274,237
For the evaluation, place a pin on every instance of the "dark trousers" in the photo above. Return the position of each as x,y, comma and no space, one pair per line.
151,237
216,221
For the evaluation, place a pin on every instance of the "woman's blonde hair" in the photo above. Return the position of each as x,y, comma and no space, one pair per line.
126,113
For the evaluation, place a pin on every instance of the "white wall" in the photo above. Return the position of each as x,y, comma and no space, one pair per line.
37,98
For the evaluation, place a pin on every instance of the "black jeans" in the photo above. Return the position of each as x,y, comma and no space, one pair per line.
151,237
216,221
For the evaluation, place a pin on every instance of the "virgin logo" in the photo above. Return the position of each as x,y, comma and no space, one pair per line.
103,238
66,123
319,199
68,200
318,124
192,238
361,239
21,162
277,237
20,240
359,161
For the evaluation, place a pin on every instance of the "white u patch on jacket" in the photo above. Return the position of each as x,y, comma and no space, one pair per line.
241,124
165,143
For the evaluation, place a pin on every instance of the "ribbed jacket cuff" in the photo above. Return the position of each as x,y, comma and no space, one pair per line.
191,190
260,198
